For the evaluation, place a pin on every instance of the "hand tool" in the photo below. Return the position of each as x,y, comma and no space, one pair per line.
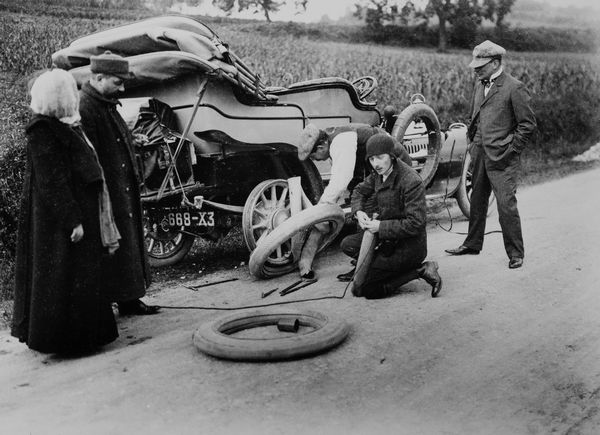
267,293
303,283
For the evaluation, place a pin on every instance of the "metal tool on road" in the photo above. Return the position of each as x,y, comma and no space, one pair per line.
268,292
297,286
196,287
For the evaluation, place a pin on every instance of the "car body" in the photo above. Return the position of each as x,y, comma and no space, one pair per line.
217,131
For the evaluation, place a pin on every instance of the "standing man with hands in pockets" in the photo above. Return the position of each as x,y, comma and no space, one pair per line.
502,124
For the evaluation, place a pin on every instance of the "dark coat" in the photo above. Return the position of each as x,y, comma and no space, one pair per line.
501,121
59,302
400,203
127,273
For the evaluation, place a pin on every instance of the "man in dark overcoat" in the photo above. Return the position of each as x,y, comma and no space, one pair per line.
126,273
395,192
502,124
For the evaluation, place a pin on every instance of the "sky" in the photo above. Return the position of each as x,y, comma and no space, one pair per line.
335,9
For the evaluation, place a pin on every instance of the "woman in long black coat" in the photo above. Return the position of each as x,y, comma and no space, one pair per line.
59,303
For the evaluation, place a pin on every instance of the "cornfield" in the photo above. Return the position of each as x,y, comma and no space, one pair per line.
562,84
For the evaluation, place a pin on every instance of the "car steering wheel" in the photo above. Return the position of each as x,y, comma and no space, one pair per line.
364,86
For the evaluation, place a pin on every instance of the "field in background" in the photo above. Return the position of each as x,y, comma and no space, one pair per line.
565,89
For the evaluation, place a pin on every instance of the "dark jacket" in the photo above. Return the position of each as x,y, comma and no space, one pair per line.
127,271
59,302
400,203
503,121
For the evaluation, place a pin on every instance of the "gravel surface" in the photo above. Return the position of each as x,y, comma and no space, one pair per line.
499,352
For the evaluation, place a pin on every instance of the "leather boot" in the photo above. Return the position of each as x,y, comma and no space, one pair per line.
429,272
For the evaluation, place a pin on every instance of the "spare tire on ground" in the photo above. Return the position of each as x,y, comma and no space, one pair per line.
318,333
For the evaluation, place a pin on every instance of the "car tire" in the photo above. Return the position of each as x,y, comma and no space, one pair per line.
165,248
363,263
463,193
260,264
420,110
214,338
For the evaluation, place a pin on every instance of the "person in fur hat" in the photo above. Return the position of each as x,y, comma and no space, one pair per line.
345,146
397,195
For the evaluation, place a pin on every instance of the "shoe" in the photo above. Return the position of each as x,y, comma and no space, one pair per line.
308,275
462,250
515,262
137,308
346,277
429,272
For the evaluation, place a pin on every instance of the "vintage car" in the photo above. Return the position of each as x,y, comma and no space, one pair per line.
221,145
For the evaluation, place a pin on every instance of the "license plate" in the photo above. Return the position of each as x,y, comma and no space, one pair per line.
192,218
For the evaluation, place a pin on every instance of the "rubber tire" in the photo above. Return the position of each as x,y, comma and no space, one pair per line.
312,183
426,113
181,250
463,197
307,218
363,263
213,338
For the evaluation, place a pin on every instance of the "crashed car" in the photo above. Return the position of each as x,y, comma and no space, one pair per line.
221,145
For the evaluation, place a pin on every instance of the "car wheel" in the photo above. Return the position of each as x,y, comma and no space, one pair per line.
165,248
419,111
216,338
273,253
267,207
465,188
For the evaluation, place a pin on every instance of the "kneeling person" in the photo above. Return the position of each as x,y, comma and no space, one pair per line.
396,193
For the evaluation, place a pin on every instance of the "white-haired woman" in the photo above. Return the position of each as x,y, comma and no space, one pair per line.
65,228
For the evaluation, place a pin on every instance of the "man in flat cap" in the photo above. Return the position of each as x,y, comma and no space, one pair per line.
502,124
127,273
346,147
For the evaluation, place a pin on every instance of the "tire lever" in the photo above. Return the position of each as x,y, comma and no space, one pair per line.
304,283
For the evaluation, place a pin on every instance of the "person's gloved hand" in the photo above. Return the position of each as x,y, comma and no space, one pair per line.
372,225
77,234
362,218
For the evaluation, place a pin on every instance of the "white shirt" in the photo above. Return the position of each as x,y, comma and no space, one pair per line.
342,151
493,77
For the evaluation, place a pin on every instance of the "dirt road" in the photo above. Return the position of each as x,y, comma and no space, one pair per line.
499,352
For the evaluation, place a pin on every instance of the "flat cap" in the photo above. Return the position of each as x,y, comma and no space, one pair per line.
308,138
485,52
111,64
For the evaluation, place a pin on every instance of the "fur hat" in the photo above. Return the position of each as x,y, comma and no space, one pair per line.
380,143
111,64
485,53
308,139
54,93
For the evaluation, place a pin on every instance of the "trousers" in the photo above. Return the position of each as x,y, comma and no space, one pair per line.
394,270
501,178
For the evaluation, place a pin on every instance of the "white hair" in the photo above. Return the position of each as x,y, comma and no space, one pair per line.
54,93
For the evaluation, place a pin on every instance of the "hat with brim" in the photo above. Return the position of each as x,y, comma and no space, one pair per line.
111,64
485,52
308,139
